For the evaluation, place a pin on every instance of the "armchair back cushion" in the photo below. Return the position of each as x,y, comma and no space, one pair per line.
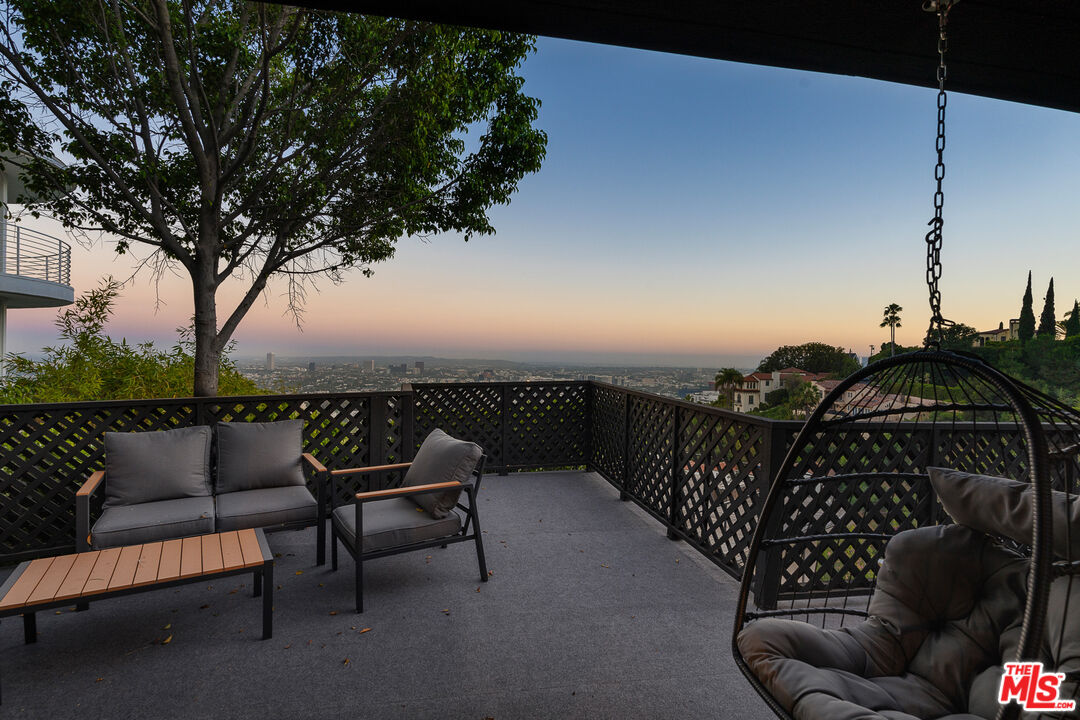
143,467
442,458
252,456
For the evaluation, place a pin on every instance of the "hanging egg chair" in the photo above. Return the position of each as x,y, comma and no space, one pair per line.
921,532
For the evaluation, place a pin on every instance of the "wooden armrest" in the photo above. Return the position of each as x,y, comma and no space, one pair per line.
91,484
315,464
406,490
372,469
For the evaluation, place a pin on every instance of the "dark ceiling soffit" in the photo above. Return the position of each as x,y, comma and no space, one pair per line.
1026,52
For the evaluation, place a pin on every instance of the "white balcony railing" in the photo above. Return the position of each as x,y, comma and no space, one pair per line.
32,254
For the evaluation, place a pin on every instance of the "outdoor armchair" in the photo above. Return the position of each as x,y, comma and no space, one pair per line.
424,512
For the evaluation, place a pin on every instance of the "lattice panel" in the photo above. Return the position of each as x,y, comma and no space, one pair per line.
609,433
47,452
842,451
650,471
468,412
719,492
985,452
835,565
546,425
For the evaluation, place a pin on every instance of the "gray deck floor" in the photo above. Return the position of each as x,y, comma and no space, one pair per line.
591,613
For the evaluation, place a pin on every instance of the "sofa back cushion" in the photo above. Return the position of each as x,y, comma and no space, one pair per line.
145,467
252,456
442,458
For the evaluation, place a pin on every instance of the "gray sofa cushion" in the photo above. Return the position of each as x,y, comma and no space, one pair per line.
946,606
1002,507
265,508
392,523
440,459
148,522
258,455
144,467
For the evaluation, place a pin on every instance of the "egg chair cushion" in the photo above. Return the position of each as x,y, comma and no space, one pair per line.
1002,507
945,597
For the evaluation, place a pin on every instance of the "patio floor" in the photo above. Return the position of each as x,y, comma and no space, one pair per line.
591,612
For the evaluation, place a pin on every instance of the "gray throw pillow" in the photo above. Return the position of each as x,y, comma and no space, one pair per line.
1000,506
251,456
441,458
145,467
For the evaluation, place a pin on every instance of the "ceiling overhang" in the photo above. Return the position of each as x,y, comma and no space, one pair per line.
1026,52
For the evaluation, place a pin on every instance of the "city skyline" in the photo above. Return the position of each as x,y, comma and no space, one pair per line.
689,212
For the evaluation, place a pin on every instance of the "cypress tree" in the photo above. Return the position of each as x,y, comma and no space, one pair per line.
1072,325
1026,330
1048,319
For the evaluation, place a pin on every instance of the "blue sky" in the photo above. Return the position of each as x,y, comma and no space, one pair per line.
696,212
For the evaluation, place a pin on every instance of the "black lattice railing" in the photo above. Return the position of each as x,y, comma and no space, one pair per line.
703,472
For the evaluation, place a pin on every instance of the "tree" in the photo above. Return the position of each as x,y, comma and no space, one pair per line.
803,397
816,357
91,365
957,336
728,379
1072,322
1026,331
240,141
1048,319
892,321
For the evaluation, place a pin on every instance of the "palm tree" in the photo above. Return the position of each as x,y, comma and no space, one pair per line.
892,320
728,379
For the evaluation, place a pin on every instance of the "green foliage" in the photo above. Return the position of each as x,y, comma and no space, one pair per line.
957,336
727,379
790,402
1072,324
815,357
1026,331
891,320
242,141
1048,319
93,366
1052,366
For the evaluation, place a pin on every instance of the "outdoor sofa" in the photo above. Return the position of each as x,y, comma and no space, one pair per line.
169,484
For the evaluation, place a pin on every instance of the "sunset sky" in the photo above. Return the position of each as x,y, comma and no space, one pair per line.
690,212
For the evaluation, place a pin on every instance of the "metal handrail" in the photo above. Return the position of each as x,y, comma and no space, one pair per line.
32,254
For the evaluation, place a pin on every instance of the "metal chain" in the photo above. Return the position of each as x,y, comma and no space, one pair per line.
933,238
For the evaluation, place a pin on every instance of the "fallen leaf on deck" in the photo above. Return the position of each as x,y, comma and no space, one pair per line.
333,612
477,589
167,640
446,611
99,680
299,572
365,630
605,566
490,573
346,661
203,607
288,646
233,592
167,626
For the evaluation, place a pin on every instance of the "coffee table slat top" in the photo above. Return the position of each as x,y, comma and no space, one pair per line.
82,575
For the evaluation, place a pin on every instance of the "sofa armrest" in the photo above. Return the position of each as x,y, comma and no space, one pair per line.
409,490
82,510
370,470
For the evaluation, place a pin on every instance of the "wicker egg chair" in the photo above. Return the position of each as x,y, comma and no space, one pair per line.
868,600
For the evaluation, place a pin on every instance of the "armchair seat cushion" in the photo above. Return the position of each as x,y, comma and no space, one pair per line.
265,508
393,523
151,521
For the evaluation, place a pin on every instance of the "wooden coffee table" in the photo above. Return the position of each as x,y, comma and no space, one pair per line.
93,576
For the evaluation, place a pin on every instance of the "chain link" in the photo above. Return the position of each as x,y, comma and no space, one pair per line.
933,238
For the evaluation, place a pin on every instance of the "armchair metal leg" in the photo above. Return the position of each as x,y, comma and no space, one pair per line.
320,541
479,548
333,548
359,583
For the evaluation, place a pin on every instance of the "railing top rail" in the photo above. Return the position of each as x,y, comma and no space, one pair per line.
698,407
219,399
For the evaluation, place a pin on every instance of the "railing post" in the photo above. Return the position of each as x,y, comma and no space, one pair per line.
504,429
377,433
931,461
623,494
408,426
676,503
18,248
767,582
590,406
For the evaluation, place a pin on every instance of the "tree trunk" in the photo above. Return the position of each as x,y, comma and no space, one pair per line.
892,340
207,349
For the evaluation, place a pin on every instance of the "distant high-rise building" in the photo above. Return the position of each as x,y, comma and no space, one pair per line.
419,365
311,366
369,366
401,369
269,361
